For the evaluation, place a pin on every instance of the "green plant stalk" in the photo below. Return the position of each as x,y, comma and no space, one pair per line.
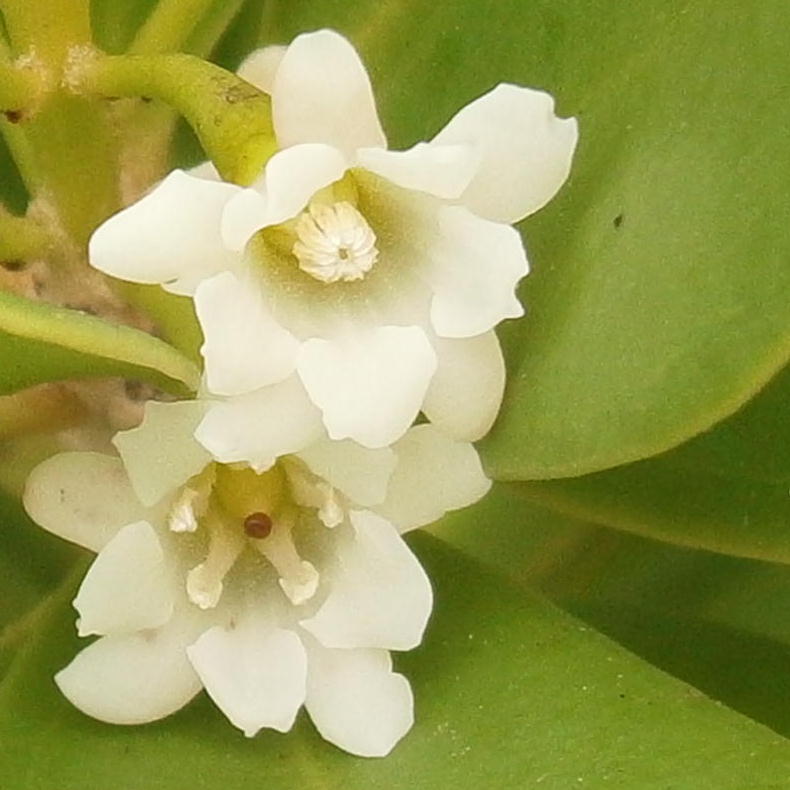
76,163
231,118
20,237
47,28
67,153
16,139
18,89
168,26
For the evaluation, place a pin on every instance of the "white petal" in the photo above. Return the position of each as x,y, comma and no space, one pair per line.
205,170
170,236
369,386
255,673
322,94
244,214
290,179
260,67
434,474
441,170
525,151
133,679
82,497
356,701
245,348
359,472
379,595
466,390
128,587
161,454
474,268
294,175
260,427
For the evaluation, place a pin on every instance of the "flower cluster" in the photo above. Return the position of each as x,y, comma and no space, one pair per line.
249,540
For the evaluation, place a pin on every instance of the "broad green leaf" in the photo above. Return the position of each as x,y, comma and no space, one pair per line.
510,693
31,563
660,295
725,490
718,622
752,444
660,499
41,342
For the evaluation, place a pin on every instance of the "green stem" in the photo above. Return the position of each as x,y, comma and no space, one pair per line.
231,118
18,89
16,139
168,26
20,237
47,27
66,153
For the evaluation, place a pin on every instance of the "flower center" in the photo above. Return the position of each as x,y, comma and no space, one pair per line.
239,508
334,242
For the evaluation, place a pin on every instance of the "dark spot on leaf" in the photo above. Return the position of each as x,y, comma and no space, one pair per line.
13,116
618,220
13,266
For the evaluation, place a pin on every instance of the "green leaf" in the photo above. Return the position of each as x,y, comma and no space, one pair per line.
752,444
662,500
660,295
41,342
718,622
725,490
31,563
510,692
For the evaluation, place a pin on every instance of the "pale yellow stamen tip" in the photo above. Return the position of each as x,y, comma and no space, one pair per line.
183,516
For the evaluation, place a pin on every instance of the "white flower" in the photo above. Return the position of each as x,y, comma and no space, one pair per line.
271,591
375,277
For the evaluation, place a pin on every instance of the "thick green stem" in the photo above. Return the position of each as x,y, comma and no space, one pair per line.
16,139
47,28
19,89
20,237
66,153
231,118
168,26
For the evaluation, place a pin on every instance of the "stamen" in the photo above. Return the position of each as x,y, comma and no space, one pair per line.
309,490
204,582
335,242
192,502
330,512
298,577
183,516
